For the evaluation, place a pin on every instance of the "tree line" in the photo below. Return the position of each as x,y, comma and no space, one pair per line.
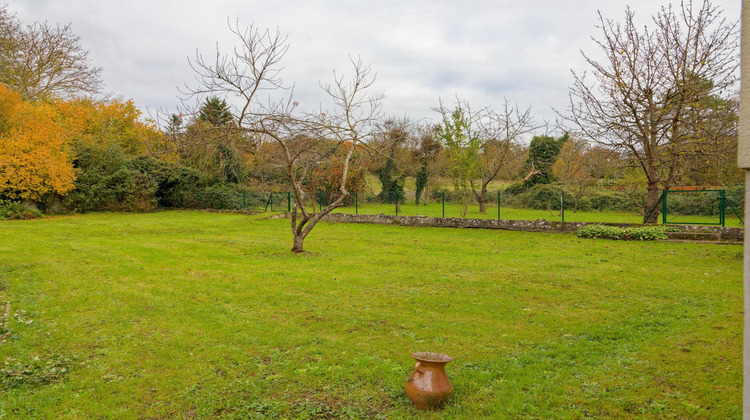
657,110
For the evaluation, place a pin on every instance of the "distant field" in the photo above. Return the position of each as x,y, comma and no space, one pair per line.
202,315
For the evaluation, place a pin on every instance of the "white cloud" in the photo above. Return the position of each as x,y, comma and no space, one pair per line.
421,50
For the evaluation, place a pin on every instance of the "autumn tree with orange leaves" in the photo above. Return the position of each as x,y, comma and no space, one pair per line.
107,123
35,157
40,140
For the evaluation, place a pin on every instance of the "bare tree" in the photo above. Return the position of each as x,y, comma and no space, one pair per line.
580,165
457,133
305,138
649,85
495,136
43,61
10,28
500,133
352,121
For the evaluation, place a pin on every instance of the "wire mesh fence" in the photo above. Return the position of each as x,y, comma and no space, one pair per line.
710,207
492,206
557,208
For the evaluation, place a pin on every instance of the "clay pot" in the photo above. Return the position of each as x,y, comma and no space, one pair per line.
428,386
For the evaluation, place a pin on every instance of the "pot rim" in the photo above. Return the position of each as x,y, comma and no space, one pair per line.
426,356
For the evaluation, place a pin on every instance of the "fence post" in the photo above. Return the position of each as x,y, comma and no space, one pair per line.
498,204
268,203
356,203
244,200
562,206
443,204
288,202
664,208
722,206
396,192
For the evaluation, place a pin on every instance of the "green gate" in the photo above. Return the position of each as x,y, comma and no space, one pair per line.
695,207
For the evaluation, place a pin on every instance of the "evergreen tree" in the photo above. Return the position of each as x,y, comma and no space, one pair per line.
216,112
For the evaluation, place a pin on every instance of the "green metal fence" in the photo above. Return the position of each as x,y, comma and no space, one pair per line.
558,207
704,207
709,207
279,202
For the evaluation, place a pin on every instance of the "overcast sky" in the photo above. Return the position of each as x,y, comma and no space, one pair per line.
480,50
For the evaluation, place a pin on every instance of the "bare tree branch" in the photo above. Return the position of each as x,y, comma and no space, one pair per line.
646,92
305,138
43,61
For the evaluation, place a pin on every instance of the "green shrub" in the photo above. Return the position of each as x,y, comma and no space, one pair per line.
599,231
547,197
538,197
105,181
646,233
451,196
693,203
705,203
220,196
179,186
611,200
18,211
258,200
173,182
736,195
515,189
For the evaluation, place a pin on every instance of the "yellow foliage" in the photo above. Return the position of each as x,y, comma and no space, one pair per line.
34,154
37,139
106,123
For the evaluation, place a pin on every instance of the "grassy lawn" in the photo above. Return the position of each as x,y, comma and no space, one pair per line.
204,315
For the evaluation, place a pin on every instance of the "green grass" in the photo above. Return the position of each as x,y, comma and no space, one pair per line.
204,315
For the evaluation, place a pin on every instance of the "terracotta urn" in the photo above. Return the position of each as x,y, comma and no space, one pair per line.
428,386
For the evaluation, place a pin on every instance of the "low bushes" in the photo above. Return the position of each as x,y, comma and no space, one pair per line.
18,211
106,181
646,233
548,197
705,203
538,197
611,200
217,196
109,180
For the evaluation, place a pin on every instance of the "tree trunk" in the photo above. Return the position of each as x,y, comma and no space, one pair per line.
482,199
298,231
654,194
465,202
298,243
